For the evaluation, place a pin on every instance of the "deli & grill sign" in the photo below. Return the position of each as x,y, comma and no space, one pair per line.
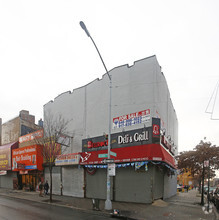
118,140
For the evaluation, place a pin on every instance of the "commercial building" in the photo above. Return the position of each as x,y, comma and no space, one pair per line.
9,136
144,136
27,161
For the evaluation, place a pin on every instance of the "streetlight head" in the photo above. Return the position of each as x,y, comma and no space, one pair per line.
84,28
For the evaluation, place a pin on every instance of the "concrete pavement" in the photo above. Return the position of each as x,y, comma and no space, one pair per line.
182,206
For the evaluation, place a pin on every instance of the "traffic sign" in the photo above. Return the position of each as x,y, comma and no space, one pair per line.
113,153
108,161
102,155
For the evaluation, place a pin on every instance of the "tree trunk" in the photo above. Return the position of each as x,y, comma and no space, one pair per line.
50,172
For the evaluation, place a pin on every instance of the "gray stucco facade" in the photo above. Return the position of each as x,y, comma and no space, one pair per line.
134,89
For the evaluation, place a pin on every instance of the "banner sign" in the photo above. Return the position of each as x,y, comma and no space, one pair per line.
28,158
31,136
67,159
131,119
3,172
166,143
156,130
153,152
118,140
5,155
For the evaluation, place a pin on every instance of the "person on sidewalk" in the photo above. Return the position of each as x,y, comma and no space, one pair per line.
46,188
41,189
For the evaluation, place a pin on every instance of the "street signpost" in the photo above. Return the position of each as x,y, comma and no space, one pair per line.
113,154
102,155
106,155
108,160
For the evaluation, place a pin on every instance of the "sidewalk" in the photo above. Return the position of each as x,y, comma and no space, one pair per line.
182,206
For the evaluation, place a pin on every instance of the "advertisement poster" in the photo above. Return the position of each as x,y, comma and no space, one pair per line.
131,119
5,155
28,158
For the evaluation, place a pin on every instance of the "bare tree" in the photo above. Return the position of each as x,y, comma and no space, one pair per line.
54,141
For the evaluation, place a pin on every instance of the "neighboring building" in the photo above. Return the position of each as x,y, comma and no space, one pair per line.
144,135
10,133
18,126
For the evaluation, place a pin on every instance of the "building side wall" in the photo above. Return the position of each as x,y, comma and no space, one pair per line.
133,90
11,131
164,107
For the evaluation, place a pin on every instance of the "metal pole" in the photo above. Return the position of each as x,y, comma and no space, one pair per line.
203,179
208,184
108,203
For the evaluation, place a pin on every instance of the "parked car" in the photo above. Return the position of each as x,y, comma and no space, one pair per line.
211,193
205,189
216,197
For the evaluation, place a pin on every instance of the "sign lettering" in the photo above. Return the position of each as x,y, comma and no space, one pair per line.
136,137
131,119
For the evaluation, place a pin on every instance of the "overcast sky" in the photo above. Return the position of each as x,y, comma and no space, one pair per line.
44,52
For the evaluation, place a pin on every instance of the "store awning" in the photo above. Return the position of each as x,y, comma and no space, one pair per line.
149,152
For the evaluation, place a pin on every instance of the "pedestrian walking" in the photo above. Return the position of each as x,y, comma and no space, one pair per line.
41,188
46,188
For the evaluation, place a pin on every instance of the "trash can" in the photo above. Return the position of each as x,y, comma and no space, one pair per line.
95,203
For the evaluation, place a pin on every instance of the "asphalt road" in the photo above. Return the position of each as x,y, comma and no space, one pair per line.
11,208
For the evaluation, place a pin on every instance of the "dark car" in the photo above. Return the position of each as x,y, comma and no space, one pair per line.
216,197
211,193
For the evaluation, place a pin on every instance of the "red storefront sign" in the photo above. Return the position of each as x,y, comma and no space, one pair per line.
27,158
154,152
31,136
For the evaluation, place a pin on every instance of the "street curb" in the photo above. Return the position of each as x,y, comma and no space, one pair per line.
101,213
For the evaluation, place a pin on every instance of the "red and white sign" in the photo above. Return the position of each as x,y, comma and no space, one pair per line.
130,154
165,142
131,119
31,136
3,172
91,144
67,159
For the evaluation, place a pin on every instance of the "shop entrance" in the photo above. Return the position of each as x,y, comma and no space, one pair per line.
30,180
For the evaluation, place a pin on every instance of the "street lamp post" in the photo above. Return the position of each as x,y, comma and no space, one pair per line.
108,203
